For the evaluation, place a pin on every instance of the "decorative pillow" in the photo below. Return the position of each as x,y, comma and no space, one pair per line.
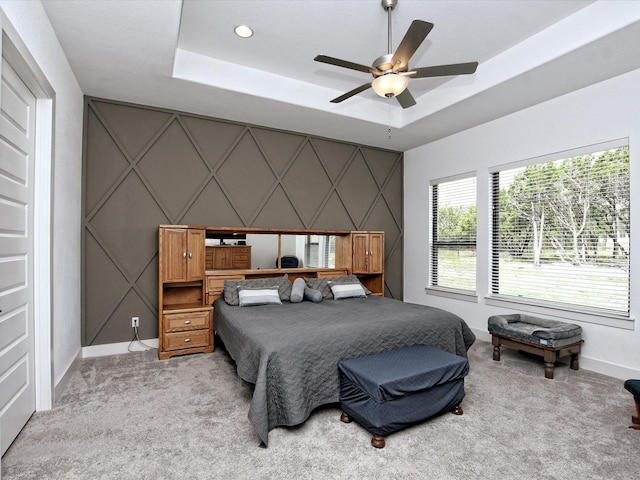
248,297
230,291
347,290
297,290
322,284
312,295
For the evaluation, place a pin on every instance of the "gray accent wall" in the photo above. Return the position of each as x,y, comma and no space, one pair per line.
145,166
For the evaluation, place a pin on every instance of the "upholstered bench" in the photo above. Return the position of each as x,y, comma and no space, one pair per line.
550,339
391,390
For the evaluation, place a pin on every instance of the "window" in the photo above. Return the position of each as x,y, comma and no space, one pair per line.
560,232
453,234
320,251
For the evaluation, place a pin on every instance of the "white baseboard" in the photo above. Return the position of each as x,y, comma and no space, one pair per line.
59,387
592,364
118,348
610,369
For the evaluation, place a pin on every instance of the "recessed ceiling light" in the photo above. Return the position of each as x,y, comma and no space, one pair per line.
243,31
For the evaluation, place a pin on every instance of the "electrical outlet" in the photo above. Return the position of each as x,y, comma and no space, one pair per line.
135,322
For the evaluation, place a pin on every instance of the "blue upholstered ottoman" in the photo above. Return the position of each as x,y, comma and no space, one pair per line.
391,390
550,339
633,387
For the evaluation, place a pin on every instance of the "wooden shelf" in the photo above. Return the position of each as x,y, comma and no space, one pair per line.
265,272
185,307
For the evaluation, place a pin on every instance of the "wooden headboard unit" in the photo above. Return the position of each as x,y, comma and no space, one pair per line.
187,290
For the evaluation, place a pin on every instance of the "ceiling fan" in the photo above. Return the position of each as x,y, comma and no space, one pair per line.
391,71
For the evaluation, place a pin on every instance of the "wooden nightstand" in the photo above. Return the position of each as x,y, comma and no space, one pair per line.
186,330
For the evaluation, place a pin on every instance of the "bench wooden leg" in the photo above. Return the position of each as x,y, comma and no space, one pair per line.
496,348
550,358
575,362
548,370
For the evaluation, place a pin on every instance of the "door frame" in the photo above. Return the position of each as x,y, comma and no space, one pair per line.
16,52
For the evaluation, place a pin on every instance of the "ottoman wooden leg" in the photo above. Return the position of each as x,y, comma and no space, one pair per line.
636,418
345,418
377,441
457,410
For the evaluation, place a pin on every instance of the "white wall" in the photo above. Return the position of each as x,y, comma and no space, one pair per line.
603,112
32,25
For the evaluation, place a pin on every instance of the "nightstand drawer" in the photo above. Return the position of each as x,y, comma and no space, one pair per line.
176,322
181,340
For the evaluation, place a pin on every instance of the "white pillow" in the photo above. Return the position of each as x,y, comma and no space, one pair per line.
249,297
297,290
347,290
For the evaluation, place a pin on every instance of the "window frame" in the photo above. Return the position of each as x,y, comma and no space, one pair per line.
432,287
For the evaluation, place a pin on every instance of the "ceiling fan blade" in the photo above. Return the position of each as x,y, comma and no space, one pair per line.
351,93
405,99
417,32
444,70
343,63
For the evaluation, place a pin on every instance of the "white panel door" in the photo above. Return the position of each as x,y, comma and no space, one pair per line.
17,148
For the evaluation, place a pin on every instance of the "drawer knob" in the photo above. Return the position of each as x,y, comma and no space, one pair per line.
187,340
187,322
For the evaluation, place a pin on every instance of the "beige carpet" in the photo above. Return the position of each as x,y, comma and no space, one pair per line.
133,416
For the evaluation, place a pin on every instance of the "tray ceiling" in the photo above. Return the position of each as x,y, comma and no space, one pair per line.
184,55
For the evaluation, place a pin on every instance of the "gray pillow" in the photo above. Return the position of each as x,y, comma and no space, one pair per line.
312,295
322,284
230,290
297,290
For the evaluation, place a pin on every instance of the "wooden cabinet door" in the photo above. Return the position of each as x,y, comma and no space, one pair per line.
222,258
360,253
368,252
376,252
173,254
195,254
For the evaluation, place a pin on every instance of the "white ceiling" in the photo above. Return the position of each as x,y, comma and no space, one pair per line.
184,55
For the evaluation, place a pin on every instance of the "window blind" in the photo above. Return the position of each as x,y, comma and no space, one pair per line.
560,231
453,234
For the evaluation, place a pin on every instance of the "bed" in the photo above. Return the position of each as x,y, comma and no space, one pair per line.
290,352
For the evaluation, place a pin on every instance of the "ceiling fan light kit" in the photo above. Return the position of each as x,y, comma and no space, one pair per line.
391,72
390,84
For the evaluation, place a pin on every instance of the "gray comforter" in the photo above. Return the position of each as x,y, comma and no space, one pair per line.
290,352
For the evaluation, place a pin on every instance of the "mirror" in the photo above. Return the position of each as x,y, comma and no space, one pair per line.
264,250
311,251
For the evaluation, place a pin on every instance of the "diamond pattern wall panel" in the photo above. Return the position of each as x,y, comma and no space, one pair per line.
146,166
